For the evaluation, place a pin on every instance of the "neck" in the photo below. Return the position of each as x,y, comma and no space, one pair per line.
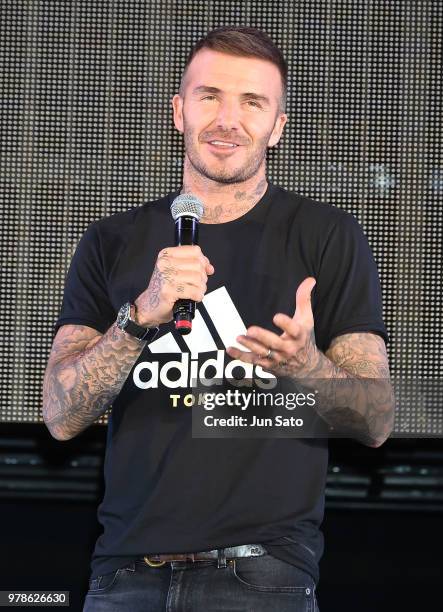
224,202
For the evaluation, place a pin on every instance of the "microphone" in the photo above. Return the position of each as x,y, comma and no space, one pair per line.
186,210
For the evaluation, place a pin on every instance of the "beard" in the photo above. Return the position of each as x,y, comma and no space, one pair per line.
227,172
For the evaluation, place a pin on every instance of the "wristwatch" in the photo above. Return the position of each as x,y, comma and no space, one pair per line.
126,322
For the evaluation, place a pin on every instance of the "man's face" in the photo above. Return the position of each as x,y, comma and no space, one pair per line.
231,99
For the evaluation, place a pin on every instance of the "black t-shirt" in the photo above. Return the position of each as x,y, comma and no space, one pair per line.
166,491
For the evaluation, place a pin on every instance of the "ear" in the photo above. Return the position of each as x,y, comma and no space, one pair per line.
177,105
278,129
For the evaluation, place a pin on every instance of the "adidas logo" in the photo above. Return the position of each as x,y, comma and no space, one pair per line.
228,324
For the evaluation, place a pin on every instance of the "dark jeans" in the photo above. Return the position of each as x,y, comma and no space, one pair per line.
247,584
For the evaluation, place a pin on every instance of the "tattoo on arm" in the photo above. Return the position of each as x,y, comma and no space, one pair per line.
155,286
79,387
167,274
356,396
361,354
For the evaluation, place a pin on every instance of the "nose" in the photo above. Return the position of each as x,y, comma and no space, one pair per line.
228,115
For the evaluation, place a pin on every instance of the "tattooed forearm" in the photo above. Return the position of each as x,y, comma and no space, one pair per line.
80,387
355,396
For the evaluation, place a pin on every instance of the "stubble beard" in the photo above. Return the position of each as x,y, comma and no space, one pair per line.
228,172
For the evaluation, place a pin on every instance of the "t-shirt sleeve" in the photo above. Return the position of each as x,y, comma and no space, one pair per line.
85,299
347,293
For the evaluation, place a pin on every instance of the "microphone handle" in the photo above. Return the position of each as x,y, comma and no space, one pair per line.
186,232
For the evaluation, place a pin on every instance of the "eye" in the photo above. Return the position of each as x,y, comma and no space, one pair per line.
210,96
256,104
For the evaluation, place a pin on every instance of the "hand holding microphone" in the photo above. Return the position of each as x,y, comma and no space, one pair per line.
180,274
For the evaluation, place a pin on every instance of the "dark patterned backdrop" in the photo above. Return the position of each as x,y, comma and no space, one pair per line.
87,131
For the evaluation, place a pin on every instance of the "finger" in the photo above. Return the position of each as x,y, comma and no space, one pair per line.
184,251
188,277
259,348
252,345
183,270
187,291
249,357
303,307
265,337
290,326
183,265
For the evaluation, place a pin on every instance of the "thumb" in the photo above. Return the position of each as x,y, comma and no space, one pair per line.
303,308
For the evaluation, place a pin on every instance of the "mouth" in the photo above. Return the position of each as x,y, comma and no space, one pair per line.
225,148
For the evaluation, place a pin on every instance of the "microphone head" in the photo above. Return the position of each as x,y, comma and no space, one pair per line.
188,205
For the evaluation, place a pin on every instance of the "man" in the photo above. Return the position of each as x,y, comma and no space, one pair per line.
220,523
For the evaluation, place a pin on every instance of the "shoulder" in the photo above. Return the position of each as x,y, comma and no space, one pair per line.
122,223
314,216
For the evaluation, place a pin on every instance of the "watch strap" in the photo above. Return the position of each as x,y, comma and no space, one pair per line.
138,331
141,333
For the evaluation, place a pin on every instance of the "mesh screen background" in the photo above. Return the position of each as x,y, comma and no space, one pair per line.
87,131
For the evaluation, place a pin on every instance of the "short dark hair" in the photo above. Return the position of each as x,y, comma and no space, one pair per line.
242,41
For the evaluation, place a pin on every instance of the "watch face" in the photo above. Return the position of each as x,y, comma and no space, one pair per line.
123,315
